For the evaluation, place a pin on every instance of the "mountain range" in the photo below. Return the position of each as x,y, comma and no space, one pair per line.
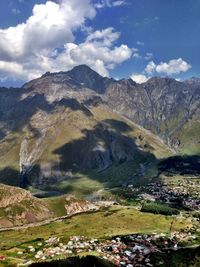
73,123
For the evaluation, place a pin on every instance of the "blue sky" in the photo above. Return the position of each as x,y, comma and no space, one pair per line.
118,38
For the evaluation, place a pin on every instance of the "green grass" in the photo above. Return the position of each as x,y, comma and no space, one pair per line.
190,138
106,223
84,184
80,186
57,205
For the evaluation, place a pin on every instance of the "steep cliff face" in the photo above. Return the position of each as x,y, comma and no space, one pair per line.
162,105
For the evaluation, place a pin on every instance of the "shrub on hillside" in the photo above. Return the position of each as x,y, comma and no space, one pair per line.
157,208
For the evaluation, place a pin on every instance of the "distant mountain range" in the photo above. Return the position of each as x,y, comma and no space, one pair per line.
74,122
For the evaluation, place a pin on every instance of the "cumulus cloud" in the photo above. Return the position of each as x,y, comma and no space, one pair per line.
50,25
106,36
174,66
97,51
46,41
139,78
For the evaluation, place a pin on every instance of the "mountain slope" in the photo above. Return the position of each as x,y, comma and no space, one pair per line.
161,105
51,146
78,123
18,207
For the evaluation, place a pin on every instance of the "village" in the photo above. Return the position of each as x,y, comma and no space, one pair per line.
183,193
132,250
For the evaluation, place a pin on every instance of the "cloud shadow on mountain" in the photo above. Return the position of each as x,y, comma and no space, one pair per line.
102,148
16,113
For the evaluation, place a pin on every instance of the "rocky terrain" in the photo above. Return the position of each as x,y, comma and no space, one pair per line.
77,121
74,206
163,105
18,206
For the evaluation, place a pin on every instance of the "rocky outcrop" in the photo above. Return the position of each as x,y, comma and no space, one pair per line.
18,207
162,105
74,206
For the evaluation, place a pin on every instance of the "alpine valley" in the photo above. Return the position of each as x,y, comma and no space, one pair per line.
111,160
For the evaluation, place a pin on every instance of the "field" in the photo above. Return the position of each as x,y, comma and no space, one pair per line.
105,223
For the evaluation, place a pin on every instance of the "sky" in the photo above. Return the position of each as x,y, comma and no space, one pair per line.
117,38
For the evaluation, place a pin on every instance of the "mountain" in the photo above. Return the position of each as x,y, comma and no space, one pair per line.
66,124
168,108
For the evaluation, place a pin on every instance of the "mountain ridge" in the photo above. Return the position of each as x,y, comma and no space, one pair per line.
77,121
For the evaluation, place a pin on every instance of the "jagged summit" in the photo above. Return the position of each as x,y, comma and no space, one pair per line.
193,80
158,79
81,76
85,76
77,69
89,78
83,68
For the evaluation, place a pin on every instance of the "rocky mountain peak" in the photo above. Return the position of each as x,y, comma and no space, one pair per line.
88,78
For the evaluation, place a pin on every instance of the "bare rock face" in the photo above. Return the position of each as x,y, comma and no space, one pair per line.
162,105
74,206
19,207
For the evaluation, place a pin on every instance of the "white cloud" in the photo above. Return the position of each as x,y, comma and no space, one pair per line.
148,56
140,43
107,36
136,55
31,48
150,68
97,52
109,3
139,78
119,3
174,66
50,25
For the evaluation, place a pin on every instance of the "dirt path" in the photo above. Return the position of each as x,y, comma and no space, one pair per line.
30,225
45,222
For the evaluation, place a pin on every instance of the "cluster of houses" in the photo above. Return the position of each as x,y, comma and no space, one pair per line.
180,194
129,251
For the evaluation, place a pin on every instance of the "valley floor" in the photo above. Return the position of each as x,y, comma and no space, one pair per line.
21,246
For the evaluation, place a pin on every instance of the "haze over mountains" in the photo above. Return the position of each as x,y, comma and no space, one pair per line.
78,121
